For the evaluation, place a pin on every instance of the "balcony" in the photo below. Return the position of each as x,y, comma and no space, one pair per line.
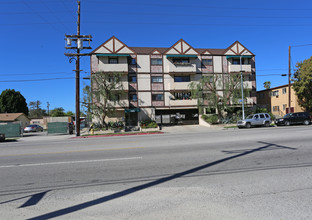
123,103
186,102
237,68
122,67
179,86
182,68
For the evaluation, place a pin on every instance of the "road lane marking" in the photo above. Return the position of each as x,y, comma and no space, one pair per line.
69,162
74,151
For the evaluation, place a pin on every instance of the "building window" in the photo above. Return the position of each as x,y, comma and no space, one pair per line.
157,79
245,61
182,79
284,107
275,108
157,97
207,62
113,60
133,61
235,61
181,61
274,93
132,79
133,97
284,90
156,61
182,95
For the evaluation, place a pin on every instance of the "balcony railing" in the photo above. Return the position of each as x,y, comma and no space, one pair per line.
237,68
183,68
122,67
184,102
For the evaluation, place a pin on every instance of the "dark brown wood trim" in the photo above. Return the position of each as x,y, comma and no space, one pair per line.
120,48
107,49
114,44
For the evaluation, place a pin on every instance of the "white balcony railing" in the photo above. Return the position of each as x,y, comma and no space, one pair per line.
183,68
183,102
122,67
237,68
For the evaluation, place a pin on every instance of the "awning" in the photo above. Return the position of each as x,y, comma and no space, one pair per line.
111,55
238,56
181,55
127,110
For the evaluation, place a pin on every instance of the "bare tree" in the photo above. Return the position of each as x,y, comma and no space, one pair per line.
219,91
103,95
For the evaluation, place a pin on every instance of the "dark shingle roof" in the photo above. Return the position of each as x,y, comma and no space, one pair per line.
149,50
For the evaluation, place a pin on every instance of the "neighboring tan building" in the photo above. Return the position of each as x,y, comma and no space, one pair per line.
15,118
156,79
276,100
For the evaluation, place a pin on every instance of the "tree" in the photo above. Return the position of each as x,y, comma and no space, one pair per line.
70,113
101,99
12,101
267,84
35,111
57,112
217,91
302,83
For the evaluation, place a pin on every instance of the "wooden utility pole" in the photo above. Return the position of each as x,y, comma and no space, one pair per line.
78,76
79,39
289,80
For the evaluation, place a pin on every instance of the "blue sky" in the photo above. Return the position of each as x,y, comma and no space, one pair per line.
32,36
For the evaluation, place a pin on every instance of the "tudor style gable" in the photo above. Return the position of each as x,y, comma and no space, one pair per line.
182,48
237,49
113,46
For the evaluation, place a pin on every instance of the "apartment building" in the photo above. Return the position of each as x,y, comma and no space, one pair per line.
156,79
276,100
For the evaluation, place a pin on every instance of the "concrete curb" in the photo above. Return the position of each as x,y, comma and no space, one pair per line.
111,135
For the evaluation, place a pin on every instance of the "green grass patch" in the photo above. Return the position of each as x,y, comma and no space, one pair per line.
233,126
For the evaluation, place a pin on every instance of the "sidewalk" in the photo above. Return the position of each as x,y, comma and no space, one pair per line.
193,128
31,137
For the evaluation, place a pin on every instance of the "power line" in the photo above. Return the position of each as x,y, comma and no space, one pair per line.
33,80
304,45
42,18
35,23
196,15
27,12
162,24
161,14
197,24
201,6
57,18
28,74
270,69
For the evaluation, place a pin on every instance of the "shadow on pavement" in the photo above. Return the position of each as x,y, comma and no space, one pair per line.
153,183
33,199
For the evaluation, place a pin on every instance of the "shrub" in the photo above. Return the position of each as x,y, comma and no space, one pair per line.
211,119
148,124
115,125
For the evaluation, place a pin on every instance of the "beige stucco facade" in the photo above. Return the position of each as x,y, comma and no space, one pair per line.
276,100
160,77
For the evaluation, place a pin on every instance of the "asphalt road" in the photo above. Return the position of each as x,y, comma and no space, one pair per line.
196,173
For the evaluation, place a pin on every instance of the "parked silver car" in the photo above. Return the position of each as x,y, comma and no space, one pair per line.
33,128
259,119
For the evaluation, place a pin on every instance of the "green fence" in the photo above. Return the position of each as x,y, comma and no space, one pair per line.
57,128
11,130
